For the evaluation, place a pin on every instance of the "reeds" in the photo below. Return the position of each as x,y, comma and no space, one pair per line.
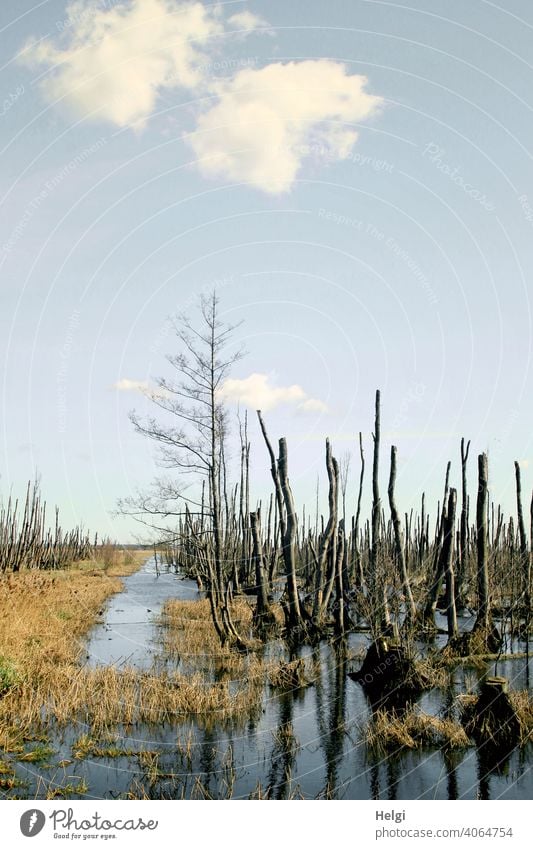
288,675
391,731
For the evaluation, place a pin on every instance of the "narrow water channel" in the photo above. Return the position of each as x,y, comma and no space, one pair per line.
128,631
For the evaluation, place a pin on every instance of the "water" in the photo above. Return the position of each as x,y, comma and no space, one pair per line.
128,633
324,757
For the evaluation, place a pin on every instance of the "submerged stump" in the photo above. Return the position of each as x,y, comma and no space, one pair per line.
388,670
491,719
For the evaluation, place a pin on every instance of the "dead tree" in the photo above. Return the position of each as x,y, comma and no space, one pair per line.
191,440
280,508
294,616
483,615
447,557
523,539
288,527
463,529
263,611
378,590
410,609
438,562
322,592
339,586
359,576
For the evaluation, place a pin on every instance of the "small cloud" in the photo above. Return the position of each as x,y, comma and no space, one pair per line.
267,121
127,385
247,21
142,386
313,405
258,392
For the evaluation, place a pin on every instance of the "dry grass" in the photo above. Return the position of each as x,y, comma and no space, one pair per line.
287,675
44,618
104,697
285,739
415,729
522,704
191,639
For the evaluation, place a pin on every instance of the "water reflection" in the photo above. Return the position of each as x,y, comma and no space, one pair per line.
309,742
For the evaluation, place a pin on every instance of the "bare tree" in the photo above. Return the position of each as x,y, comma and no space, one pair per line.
483,616
190,434
410,609
463,531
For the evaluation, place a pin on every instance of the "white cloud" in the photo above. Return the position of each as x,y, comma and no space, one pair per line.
267,120
313,405
114,62
118,61
247,21
258,392
127,385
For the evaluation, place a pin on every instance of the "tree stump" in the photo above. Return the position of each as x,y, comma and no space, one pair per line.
492,720
388,670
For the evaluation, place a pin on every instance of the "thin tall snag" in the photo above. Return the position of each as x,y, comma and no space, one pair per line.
263,612
463,530
332,557
359,576
523,538
378,590
275,476
438,562
289,553
321,598
339,586
483,616
410,608
447,556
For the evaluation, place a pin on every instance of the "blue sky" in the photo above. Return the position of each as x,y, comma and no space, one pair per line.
356,179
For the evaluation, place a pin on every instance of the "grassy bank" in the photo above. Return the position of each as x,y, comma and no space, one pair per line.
44,620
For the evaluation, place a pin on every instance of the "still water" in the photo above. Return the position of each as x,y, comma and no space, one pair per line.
305,744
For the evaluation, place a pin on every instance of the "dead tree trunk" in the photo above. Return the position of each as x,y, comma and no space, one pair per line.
437,569
528,597
322,592
410,609
523,538
378,593
339,586
483,616
463,529
289,548
275,477
263,612
359,576
447,556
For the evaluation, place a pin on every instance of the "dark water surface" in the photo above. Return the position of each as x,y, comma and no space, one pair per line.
324,756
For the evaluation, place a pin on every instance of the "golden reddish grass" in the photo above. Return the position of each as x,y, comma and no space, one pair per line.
44,618
389,731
